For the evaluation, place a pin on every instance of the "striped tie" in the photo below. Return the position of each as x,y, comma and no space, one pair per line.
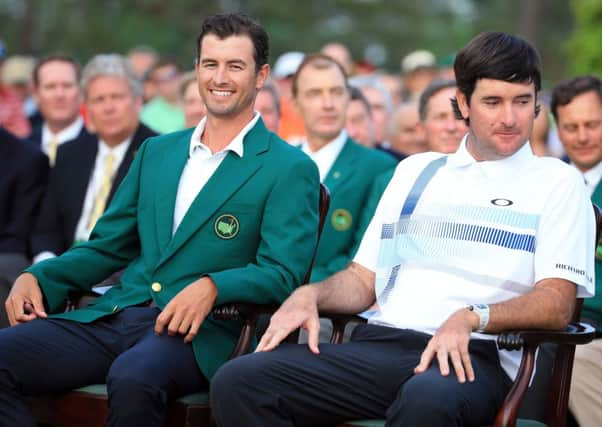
100,200
53,145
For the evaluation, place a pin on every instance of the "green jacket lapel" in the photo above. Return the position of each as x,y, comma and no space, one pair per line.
165,200
342,167
233,172
597,194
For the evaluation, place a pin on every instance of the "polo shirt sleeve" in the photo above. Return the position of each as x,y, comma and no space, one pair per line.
565,239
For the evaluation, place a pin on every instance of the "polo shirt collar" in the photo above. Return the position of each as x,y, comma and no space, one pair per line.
236,145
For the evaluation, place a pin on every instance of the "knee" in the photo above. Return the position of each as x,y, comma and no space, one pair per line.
426,403
234,377
133,381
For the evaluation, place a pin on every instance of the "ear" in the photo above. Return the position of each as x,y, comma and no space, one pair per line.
462,103
262,76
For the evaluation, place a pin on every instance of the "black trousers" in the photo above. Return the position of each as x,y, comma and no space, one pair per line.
142,370
369,377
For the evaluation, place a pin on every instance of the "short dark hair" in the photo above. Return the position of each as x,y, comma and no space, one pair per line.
356,95
566,90
56,58
237,24
499,56
319,61
431,90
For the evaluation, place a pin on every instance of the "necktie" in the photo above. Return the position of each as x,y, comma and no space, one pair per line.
100,200
53,145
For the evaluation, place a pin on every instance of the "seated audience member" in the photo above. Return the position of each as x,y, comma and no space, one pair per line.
164,112
267,103
17,72
321,96
291,125
204,217
379,99
192,103
22,182
485,239
442,129
340,53
418,70
59,98
358,119
89,169
577,107
12,116
406,136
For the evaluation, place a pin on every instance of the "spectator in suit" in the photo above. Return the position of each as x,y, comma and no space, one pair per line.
359,124
442,129
22,182
58,97
89,169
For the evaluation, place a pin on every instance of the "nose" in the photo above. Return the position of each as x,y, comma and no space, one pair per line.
509,118
220,75
451,124
327,101
582,134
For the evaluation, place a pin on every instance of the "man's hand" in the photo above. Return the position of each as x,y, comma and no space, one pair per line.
187,311
300,310
451,343
25,302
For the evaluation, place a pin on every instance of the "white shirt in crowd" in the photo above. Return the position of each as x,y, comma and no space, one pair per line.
67,134
592,178
325,157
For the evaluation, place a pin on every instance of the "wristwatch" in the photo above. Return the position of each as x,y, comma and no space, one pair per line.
482,311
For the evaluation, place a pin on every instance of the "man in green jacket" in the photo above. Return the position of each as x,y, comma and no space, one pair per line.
204,217
321,95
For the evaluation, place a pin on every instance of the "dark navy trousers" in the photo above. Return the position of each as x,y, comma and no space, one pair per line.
369,377
142,370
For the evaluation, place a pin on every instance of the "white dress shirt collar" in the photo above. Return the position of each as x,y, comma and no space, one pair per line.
592,177
325,157
236,145
67,134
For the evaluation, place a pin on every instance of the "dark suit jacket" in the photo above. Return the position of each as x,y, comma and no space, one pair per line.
67,187
23,177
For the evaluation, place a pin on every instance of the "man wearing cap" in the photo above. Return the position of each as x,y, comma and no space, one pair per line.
291,127
12,116
418,69
59,99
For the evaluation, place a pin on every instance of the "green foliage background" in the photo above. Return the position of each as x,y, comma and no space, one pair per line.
568,34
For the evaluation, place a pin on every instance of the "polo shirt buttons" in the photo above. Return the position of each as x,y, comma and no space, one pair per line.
115,308
156,287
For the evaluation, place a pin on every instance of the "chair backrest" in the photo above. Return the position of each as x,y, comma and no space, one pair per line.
323,209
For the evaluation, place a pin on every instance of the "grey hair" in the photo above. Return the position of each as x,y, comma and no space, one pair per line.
373,81
110,65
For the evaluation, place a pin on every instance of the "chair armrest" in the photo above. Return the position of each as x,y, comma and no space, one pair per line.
529,341
339,322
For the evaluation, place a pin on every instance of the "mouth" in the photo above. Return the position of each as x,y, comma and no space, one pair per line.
221,93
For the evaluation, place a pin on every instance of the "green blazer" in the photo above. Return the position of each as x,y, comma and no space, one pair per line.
244,230
592,307
350,181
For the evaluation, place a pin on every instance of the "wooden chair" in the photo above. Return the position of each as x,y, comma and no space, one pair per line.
529,340
88,406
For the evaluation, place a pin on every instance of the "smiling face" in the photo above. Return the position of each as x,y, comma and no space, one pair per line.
321,99
580,129
501,117
228,81
442,130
